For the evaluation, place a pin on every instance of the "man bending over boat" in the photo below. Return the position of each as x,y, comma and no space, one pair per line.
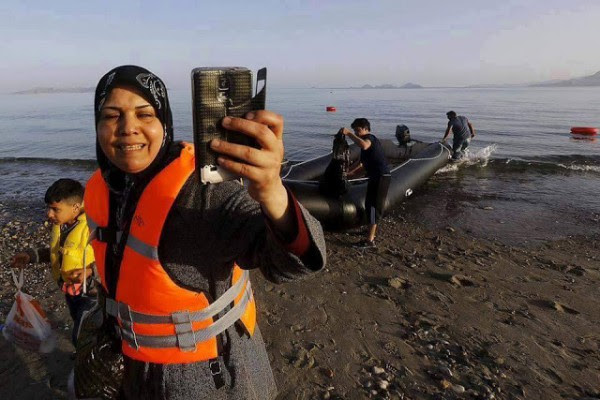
372,158
462,131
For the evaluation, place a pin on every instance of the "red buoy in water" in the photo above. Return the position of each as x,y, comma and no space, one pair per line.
584,130
330,109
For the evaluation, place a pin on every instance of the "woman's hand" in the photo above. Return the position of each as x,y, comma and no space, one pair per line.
261,167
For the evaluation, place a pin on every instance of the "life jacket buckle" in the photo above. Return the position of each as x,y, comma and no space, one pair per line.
186,337
215,367
104,235
215,370
108,235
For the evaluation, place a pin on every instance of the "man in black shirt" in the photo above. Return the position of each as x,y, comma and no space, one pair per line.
373,159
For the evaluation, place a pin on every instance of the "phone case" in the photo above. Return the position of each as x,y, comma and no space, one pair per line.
218,92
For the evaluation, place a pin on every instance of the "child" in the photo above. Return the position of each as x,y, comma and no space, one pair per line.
373,159
68,247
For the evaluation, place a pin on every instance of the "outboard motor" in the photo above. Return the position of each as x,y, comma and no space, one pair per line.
402,134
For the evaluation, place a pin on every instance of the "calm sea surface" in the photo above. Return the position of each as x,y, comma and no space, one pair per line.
523,157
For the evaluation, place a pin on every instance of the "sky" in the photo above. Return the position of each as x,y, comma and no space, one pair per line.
322,43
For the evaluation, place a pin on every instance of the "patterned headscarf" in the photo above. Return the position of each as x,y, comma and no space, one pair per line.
152,90
126,188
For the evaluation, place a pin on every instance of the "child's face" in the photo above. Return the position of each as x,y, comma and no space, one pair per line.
360,131
62,212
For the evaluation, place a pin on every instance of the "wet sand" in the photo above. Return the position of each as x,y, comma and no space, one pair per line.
436,311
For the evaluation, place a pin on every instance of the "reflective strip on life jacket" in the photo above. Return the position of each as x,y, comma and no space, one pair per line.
121,310
185,337
160,321
142,248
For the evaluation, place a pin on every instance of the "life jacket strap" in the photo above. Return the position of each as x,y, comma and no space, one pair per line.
104,234
185,337
121,311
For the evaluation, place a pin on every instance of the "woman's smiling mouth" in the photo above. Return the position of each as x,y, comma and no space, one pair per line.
130,147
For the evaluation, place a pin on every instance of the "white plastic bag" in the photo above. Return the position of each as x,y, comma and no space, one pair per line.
26,324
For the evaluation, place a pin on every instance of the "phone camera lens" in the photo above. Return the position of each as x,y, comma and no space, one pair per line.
223,83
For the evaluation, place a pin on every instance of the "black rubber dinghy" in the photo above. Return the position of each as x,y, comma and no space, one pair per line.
411,165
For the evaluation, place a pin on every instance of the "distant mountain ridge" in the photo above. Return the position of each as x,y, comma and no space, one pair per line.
408,85
584,81
51,90
590,80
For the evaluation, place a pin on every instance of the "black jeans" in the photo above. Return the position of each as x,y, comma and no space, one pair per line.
459,145
376,196
77,305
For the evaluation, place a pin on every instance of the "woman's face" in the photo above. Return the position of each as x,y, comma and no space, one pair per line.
129,132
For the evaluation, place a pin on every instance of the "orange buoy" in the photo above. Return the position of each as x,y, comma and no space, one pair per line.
584,130
330,109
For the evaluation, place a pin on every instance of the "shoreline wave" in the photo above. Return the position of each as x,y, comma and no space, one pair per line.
546,164
52,161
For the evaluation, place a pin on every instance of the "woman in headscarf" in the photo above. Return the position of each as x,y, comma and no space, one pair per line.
173,254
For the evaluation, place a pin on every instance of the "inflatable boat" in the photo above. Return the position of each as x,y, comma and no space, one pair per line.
410,166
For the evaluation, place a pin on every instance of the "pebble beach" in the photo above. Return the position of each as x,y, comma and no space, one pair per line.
434,312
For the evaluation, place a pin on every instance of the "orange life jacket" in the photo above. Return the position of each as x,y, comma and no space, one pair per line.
161,322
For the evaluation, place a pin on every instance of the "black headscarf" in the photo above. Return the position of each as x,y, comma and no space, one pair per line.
126,188
152,90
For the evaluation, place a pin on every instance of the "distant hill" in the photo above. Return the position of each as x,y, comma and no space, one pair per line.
50,90
591,80
411,85
496,85
408,85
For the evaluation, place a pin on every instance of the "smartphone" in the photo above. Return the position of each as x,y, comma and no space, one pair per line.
218,92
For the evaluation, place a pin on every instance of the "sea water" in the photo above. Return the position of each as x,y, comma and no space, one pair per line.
523,167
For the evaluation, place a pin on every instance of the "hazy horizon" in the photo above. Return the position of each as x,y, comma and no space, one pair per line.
302,43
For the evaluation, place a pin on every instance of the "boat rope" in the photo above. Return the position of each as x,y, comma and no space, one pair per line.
300,163
441,148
